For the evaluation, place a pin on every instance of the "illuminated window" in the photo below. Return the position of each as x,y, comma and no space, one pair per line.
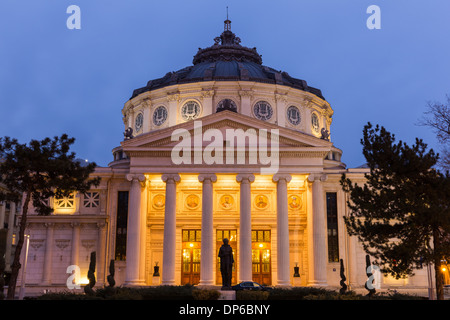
66,202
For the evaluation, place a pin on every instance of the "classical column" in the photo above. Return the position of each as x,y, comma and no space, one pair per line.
101,252
245,228
170,228
75,243
2,214
46,277
9,235
319,230
143,246
283,263
134,230
207,257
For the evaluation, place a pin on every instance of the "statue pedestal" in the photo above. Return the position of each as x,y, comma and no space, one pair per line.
296,282
156,281
227,295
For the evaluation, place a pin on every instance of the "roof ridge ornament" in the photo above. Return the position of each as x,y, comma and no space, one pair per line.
227,23
227,47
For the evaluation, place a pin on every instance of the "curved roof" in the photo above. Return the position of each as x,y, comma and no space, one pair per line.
227,60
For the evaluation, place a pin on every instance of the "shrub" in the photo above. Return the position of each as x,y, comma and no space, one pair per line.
251,295
295,293
205,294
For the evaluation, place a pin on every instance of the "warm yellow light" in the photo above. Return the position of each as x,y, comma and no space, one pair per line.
444,269
261,245
191,244
83,281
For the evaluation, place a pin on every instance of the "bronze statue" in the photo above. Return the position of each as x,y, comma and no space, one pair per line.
226,264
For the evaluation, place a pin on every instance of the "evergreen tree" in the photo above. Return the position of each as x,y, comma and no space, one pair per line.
35,172
401,214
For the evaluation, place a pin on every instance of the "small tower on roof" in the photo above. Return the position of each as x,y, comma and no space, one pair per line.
227,23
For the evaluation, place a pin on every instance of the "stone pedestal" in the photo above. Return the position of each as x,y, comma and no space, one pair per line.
227,295
156,281
296,282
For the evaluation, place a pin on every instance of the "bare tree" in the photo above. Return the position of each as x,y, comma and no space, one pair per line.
437,117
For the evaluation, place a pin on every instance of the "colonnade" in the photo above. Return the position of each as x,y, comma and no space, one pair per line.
136,230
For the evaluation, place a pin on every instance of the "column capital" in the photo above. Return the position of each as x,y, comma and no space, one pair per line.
171,177
101,225
75,224
136,176
245,177
317,177
49,224
207,176
282,176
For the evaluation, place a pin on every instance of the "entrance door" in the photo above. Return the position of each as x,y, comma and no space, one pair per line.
261,260
231,235
190,259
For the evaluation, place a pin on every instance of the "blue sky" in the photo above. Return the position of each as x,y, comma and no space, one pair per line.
54,80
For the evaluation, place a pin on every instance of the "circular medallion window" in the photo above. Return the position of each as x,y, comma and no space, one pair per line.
293,115
263,110
139,121
315,122
190,110
226,104
159,115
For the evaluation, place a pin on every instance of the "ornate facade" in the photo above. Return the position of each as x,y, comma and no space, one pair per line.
226,148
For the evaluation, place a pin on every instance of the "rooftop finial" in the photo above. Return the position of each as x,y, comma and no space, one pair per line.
227,23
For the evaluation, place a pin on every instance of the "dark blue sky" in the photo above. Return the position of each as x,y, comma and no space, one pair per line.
54,80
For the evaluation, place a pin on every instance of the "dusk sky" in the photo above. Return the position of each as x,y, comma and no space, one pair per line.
54,80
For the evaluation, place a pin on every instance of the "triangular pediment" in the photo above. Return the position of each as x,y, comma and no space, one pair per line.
225,124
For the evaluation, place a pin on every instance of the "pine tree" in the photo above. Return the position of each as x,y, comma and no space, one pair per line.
401,214
34,172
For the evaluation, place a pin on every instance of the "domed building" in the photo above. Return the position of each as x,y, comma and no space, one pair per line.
225,148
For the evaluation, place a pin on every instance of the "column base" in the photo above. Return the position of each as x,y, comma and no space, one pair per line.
317,283
134,283
168,283
283,284
206,283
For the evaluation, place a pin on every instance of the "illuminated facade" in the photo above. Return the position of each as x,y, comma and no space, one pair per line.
226,148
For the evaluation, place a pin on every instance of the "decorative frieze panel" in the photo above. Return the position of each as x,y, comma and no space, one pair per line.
226,202
91,200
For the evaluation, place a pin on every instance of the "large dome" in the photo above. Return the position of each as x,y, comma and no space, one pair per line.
227,60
